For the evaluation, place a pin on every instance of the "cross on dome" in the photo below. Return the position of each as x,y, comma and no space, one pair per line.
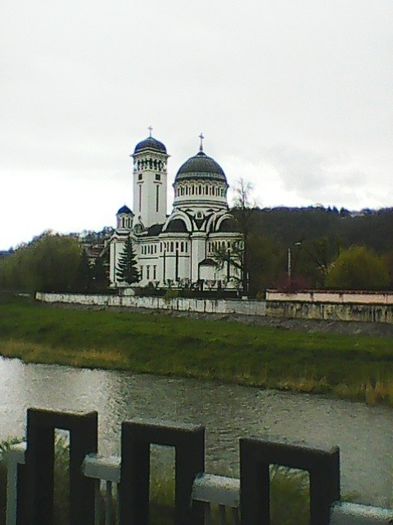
201,136
150,130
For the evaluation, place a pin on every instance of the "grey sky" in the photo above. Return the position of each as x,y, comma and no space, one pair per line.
295,96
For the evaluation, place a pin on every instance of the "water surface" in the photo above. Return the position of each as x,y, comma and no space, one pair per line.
364,434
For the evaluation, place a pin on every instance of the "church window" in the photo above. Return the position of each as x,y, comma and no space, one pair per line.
193,189
139,165
141,272
157,197
182,246
155,165
154,272
207,190
140,198
160,247
171,246
140,176
147,272
200,190
150,163
177,245
158,176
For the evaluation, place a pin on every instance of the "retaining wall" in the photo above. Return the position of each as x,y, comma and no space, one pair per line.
326,296
372,313
181,304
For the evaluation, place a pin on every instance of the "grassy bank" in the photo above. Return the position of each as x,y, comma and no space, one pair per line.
354,367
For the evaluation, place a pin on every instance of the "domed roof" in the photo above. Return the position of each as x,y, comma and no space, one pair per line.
124,209
176,226
200,167
150,143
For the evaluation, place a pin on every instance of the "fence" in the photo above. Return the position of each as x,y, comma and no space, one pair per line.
116,490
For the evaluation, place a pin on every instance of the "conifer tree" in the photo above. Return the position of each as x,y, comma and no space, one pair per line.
126,270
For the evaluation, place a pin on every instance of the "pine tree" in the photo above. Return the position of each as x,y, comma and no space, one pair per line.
126,270
100,274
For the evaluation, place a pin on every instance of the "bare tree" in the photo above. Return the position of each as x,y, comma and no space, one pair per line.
243,211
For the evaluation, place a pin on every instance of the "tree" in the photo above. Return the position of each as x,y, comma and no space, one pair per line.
50,263
358,268
100,274
84,274
126,270
243,211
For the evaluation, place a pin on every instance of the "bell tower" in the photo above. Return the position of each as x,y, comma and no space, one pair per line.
150,181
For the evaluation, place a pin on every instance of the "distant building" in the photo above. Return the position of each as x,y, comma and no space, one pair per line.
178,250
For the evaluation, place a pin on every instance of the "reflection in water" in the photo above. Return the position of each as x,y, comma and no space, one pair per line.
364,434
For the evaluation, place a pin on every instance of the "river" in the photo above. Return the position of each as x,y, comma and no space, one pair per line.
364,434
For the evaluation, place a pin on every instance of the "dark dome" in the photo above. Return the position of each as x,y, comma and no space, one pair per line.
229,225
151,144
201,167
176,226
124,209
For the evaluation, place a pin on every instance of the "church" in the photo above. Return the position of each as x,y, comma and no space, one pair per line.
178,250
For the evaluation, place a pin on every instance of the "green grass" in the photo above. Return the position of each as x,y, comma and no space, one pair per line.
354,367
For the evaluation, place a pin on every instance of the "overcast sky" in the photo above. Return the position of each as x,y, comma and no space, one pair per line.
294,96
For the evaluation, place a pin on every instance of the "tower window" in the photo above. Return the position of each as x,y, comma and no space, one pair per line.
147,272
154,272
157,197
140,176
140,198
158,176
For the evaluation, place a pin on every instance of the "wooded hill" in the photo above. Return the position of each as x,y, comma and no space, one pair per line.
316,237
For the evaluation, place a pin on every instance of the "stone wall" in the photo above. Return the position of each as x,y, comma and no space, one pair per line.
327,296
374,313
214,306
371,313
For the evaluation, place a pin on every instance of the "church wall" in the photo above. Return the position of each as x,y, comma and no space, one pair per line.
375,313
219,306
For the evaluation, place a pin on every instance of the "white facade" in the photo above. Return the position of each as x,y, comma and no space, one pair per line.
178,250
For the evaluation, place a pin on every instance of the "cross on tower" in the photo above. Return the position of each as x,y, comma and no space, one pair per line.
150,130
201,136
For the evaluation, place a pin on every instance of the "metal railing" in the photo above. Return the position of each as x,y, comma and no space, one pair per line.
198,495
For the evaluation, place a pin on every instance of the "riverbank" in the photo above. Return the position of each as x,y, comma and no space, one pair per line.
349,366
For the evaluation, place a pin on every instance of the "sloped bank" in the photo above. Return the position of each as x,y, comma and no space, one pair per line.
349,366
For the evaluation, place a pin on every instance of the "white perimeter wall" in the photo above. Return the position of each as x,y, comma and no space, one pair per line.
279,308
221,306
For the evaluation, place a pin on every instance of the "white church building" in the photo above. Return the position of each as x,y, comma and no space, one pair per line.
177,250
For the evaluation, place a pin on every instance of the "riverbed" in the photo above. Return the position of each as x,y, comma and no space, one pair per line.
364,434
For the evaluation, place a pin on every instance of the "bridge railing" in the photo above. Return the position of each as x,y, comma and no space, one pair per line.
115,490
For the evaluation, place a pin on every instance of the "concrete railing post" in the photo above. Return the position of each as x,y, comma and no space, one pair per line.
41,425
256,456
136,438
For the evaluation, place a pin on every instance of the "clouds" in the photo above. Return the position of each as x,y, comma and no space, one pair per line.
295,95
